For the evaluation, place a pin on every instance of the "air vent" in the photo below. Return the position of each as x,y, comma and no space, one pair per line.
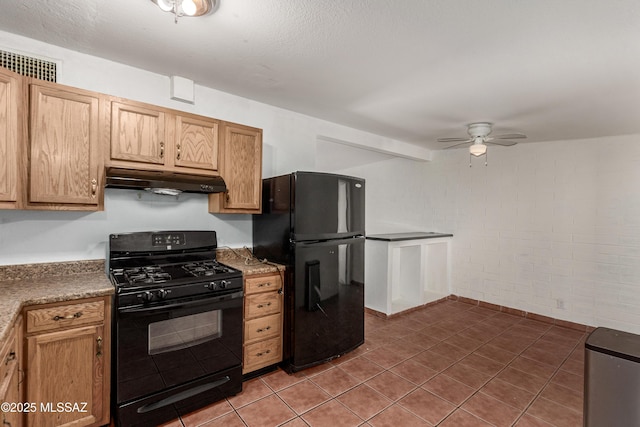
28,66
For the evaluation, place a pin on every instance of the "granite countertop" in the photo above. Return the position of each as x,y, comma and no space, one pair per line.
30,284
412,235
244,260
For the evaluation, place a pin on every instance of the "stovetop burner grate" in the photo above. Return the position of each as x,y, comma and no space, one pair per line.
206,268
146,275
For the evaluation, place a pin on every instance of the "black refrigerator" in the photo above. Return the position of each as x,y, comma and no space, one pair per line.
314,224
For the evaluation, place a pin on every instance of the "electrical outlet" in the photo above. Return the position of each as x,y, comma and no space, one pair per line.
560,304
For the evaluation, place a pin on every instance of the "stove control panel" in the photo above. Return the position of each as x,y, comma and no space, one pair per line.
165,293
218,285
148,296
168,239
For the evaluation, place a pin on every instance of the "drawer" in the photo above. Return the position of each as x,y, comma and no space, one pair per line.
262,304
271,282
261,354
262,327
63,316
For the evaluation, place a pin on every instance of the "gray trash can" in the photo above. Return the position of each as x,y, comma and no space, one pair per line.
612,379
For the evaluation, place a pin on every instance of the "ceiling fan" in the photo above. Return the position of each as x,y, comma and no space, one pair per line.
479,137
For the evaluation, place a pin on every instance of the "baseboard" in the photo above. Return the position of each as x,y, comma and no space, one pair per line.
490,306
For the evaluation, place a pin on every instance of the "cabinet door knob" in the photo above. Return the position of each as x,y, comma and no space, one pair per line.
94,187
99,346
161,150
178,155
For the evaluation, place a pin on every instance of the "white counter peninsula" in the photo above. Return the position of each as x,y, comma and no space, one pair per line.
406,270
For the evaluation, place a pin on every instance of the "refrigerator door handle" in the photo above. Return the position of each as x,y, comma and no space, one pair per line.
312,285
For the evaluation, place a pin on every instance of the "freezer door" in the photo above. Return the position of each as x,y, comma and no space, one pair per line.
327,206
328,301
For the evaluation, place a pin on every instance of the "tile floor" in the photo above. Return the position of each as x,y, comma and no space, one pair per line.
451,364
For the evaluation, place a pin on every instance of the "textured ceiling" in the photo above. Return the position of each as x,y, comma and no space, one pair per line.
412,70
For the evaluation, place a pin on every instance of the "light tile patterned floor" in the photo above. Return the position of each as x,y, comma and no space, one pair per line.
451,365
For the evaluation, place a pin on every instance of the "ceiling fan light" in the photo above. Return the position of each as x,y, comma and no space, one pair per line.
478,149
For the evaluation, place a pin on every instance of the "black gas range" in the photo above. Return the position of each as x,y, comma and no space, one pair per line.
178,325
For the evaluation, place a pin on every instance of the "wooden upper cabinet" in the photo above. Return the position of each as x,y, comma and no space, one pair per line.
148,137
241,149
65,162
137,134
196,143
10,137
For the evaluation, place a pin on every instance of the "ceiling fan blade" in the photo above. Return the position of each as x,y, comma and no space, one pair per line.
454,140
457,145
510,136
501,142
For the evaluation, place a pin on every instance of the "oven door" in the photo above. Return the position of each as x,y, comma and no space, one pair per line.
174,357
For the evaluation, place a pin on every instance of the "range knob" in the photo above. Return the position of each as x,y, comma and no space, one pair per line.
162,294
146,296
212,286
224,284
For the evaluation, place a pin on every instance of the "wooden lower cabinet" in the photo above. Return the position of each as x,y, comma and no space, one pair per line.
262,321
11,378
68,361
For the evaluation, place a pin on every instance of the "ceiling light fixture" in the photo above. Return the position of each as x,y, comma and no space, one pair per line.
182,8
478,149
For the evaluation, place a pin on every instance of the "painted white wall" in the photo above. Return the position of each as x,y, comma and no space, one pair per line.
551,228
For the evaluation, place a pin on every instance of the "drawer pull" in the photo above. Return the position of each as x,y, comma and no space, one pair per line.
11,356
263,353
264,329
262,285
264,305
69,317
99,346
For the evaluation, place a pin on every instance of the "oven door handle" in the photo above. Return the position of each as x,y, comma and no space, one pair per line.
140,310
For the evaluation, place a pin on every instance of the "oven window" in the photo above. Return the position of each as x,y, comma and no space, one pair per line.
183,332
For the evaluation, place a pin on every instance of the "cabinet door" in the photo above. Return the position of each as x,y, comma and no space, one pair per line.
196,143
241,170
137,134
64,146
67,366
9,127
11,376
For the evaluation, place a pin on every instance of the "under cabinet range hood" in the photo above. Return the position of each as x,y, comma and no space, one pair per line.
164,182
